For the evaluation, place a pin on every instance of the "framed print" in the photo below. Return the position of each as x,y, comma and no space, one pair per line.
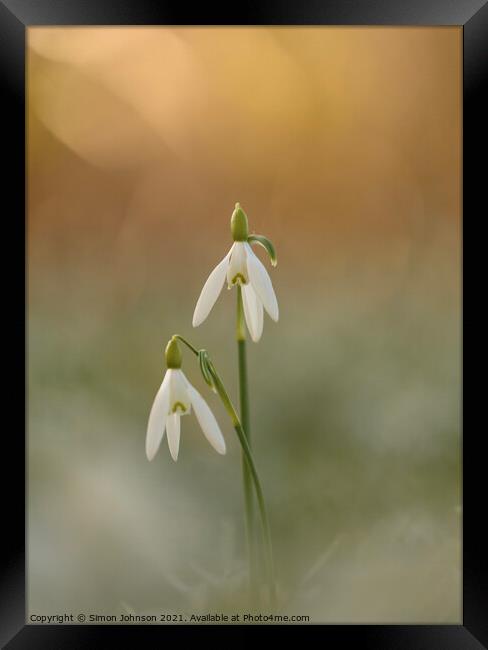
253,219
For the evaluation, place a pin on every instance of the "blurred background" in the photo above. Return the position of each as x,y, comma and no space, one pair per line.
343,147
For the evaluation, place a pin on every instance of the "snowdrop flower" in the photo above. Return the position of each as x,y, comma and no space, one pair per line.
175,398
241,266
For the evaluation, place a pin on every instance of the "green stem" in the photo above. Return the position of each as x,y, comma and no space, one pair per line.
220,388
254,475
187,343
245,421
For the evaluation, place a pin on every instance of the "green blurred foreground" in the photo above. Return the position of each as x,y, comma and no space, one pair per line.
356,437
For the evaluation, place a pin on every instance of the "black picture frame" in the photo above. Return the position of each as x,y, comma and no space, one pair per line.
15,17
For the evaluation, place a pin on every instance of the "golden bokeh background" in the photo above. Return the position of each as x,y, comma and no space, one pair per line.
343,146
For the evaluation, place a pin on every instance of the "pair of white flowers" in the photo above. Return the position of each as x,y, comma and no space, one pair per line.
176,396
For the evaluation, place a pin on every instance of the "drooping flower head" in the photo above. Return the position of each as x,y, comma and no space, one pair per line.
175,398
242,267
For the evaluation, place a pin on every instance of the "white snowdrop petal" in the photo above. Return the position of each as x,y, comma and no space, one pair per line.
210,292
253,311
173,427
157,418
207,421
261,283
183,378
237,264
177,392
260,316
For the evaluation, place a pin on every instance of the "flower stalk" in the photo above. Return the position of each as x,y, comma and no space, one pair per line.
254,475
245,421
211,376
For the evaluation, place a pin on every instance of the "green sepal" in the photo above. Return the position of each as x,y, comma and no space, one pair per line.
266,244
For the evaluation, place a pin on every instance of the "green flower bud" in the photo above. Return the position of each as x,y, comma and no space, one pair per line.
238,224
173,354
